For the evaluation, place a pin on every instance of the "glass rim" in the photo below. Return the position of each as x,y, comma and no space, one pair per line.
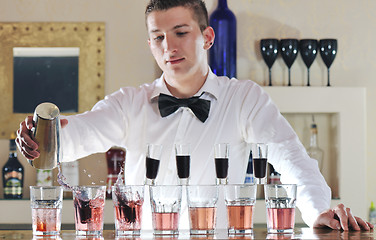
46,187
240,184
88,186
127,186
281,184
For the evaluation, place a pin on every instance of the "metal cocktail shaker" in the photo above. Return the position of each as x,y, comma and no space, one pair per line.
46,133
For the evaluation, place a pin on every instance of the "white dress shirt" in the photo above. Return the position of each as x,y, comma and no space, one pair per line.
240,113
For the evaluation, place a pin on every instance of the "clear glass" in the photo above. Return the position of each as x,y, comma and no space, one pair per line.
153,157
183,162
202,202
88,209
260,161
128,201
280,202
165,203
240,200
221,155
46,203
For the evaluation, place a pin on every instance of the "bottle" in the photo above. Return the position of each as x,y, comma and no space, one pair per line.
44,177
222,55
314,151
249,175
13,173
115,158
70,171
372,214
274,176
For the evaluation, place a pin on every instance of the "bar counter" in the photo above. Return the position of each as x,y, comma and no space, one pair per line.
259,233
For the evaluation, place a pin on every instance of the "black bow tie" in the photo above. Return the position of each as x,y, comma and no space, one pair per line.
169,104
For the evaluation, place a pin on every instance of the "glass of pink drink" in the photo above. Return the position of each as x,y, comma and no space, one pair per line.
240,200
88,209
202,202
165,206
46,203
280,202
128,201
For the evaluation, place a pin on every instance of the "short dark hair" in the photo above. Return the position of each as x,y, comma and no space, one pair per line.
198,7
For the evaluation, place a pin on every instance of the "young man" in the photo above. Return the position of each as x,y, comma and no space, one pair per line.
222,110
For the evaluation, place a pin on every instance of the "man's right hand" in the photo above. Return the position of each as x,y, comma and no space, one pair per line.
25,142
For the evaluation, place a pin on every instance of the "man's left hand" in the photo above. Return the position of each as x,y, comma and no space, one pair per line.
340,217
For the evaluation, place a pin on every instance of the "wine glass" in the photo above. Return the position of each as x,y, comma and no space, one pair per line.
269,51
183,162
328,51
308,50
289,50
221,151
153,158
259,160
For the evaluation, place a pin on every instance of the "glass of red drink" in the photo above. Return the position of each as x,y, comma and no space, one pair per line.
280,202
46,203
202,202
240,200
221,155
183,162
128,201
259,161
153,157
165,206
88,204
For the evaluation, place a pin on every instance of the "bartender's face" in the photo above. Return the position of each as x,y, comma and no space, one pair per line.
176,42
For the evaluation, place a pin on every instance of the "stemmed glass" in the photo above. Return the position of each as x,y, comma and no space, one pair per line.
259,160
328,51
269,51
308,50
289,50
221,151
183,162
153,157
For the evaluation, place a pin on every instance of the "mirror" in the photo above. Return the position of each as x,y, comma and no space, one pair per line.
61,63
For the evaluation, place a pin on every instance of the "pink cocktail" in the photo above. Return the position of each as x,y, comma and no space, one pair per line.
88,209
128,201
46,203
280,200
202,219
281,219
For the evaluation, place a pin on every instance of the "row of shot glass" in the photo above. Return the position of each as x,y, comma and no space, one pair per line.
259,153
165,202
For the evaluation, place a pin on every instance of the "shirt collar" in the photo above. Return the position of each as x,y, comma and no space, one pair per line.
210,86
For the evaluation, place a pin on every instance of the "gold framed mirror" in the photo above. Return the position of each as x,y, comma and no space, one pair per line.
88,38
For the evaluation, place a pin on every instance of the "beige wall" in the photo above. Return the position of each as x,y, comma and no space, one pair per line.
129,63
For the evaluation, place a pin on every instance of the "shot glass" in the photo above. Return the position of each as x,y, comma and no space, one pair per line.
128,201
46,204
165,203
221,155
259,161
280,202
153,157
183,162
202,203
88,204
240,200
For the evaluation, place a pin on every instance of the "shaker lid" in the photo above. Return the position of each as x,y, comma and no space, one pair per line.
47,111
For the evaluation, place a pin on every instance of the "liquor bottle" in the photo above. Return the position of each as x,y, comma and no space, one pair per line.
70,171
44,177
249,175
13,173
314,151
274,176
115,158
222,55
